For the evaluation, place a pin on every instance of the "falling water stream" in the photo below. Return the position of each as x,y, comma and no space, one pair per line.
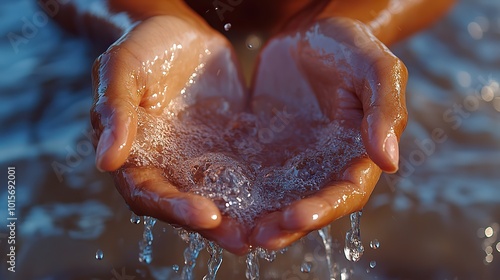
196,243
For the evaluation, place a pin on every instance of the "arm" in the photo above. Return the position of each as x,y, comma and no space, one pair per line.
103,22
389,20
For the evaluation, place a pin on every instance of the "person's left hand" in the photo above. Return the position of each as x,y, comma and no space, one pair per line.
338,67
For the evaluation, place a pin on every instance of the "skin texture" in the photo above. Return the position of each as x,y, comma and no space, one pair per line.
333,51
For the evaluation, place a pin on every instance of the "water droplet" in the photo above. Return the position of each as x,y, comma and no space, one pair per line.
134,219
175,268
374,244
227,26
373,264
488,232
99,255
488,258
306,267
498,247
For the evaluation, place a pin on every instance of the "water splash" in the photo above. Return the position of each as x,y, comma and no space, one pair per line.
252,261
354,249
196,243
326,237
146,244
215,260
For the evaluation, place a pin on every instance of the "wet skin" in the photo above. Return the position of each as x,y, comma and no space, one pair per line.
335,63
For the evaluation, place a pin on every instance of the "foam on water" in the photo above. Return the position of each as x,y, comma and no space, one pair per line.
227,159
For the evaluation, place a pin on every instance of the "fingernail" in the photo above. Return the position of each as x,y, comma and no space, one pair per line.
391,148
105,141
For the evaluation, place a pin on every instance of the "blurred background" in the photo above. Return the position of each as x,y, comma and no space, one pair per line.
437,218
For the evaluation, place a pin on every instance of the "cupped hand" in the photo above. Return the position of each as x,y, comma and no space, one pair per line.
337,68
150,66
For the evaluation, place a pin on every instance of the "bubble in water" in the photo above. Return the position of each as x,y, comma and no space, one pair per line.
354,249
227,162
373,264
175,268
374,244
498,247
227,26
306,267
99,255
134,219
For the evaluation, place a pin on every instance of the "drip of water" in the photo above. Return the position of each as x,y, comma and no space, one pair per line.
215,260
227,26
252,261
374,244
268,255
306,267
146,244
354,249
373,264
175,268
196,243
326,237
99,255
134,219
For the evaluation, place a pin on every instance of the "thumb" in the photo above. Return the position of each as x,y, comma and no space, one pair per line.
385,115
113,114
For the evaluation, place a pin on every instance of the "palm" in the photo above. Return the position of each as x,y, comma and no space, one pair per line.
334,69
165,68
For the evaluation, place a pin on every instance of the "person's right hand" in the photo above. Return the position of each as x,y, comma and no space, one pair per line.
148,67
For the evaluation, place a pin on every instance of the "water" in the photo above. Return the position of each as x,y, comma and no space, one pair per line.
225,158
354,249
306,267
99,255
374,244
445,198
196,243
146,244
215,260
253,271
326,237
134,219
